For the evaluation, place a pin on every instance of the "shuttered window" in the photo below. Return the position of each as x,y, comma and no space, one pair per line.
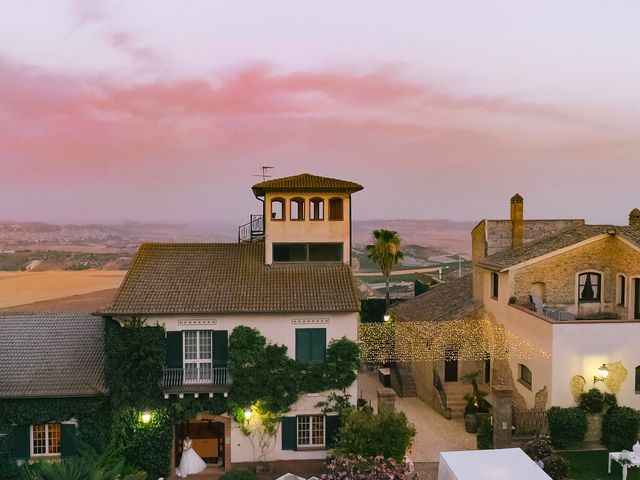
45,439
311,344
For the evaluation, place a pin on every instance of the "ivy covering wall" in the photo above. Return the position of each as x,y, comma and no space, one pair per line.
135,355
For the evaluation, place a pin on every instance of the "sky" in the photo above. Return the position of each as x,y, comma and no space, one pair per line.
165,111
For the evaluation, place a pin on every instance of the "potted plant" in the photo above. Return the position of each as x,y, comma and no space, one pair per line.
476,405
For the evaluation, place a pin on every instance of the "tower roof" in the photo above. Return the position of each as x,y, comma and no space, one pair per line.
305,182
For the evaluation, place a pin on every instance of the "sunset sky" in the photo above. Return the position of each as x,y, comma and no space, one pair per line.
149,110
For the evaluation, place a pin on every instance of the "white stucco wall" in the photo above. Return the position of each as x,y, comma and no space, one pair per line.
579,349
280,329
292,231
277,328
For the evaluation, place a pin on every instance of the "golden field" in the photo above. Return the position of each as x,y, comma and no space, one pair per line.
20,288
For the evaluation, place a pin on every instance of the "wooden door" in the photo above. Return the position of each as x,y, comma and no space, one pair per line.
451,366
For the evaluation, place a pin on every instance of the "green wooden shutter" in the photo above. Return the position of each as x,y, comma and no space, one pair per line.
311,344
331,427
21,441
303,346
68,440
174,350
289,433
318,343
220,348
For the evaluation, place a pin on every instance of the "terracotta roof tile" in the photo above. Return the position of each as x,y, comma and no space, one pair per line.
177,278
51,355
306,183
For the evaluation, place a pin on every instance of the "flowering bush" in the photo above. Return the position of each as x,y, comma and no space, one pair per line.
362,468
538,448
541,449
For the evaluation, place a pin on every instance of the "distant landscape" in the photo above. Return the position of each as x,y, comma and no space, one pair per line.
36,246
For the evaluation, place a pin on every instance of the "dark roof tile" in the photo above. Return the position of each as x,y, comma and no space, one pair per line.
51,355
199,278
448,301
306,183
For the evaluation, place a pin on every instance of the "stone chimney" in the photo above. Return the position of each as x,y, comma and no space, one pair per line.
634,218
517,220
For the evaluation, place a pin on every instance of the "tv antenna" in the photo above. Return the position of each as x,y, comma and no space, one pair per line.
265,173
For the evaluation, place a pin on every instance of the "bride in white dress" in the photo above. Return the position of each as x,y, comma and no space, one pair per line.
190,462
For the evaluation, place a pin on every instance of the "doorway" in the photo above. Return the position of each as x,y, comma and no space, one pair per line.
208,437
451,365
636,298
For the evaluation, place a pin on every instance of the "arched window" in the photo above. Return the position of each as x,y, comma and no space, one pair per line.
316,208
336,212
277,209
297,209
589,286
525,377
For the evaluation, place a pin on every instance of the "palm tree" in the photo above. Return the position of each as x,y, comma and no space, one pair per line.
386,253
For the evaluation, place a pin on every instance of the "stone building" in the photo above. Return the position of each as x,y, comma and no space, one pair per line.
565,292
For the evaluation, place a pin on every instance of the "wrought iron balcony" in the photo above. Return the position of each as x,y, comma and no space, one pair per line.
252,231
195,379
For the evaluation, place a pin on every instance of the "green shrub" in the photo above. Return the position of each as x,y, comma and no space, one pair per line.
240,474
592,401
610,400
79,468
620,428
364,433
484,437
566,425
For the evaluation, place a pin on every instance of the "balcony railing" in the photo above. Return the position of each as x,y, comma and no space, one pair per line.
196,375
251,231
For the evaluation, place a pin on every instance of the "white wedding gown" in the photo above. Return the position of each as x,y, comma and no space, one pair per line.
190,462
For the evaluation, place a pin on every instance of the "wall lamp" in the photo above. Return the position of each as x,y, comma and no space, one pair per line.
603,373
146,417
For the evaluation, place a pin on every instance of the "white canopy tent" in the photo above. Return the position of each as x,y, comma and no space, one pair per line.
502,464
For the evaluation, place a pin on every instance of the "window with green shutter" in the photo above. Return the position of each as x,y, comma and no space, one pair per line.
332,423
311,344
20,442
68,446
289,433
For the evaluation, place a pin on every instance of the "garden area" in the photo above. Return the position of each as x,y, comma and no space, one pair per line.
592,465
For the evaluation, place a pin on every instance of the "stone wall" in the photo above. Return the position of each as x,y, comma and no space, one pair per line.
557,275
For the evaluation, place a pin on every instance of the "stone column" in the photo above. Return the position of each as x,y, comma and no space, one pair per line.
386,399
502,416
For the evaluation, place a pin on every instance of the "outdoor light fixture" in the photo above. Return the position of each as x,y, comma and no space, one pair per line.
146,417
247,414
603,373
387,317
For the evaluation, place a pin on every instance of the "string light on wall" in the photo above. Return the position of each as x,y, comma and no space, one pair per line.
471,338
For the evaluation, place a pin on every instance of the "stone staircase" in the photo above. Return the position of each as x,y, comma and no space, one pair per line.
455,397
402,382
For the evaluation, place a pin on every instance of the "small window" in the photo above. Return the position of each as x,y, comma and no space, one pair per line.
589,287
45,439
336,211
277,209
307,252
622,290
289,252
524,376
311,344
495,283
297,208
638,379
316,209
325,252
311,431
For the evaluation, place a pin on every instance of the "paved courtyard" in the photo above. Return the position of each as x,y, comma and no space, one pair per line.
434,433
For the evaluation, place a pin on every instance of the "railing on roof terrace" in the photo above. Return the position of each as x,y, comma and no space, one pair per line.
252,230
203,375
